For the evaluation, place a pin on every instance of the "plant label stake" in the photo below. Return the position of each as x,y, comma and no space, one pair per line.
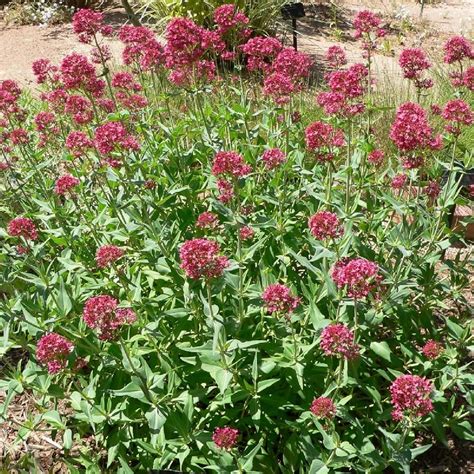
293,11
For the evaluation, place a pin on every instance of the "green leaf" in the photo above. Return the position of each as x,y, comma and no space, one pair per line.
382,349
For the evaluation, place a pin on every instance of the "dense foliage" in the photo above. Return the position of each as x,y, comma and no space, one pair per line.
217,275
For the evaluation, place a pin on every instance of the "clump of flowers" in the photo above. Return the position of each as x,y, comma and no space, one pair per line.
432,189
88,23
376,157
458,49
65,183
113,137
102,314
336,57
78,73
226,190
225,437
359,276
458,114
108,254
323,407
279,299
323,140
338,340
53,350
246,233
230,163
367,27
414,63
22,227
398,181
200,259
325,225
207,220
432,349
260,52
273,158
79,143
411,397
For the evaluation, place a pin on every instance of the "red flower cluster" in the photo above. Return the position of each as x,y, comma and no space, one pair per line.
207,220
323,407
376,157
338,340
367,22
9,95
411,130
78,73
142,49
398,181
458,113
65,183
226,437
411,397
112,136
45,71
432,189
273,158
432,349
53,351
231,164
260,52
22,227
200,259
457,49
246,233
336,57
325,225
79,143
228,17
323,140
359,275
346,86
278,299
226,190
101,313
413,62
88,23
107,254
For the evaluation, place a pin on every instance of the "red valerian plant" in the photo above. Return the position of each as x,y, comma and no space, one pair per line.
338,340
226,437
53,351
102,314
278,299
411,397
323,407
208,132
200,259
359,276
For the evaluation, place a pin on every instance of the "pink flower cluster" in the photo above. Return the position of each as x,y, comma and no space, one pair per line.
398,181
338,340
414,63
411,130
367,22
358,275
113,137
200,259
346,87
88,23
101,313
325,225
78,73
457,50
226,437
273,158
108,254
230,163
336,57
65,183
260,52
53,350
278,299
432,189
458,114
246,233
323,140
207,220
22,227
432,349
142,49
376,157
323,407
79,143
411,397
